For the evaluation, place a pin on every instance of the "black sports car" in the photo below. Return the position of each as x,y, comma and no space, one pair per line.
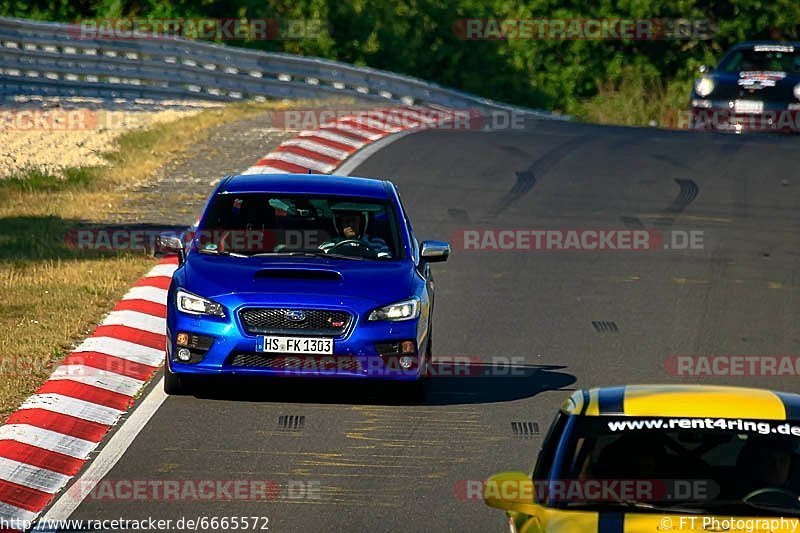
755,87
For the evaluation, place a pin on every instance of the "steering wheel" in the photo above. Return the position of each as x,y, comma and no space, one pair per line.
351,245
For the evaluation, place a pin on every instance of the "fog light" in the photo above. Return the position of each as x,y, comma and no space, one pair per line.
407,347
182,339
184,354
406,362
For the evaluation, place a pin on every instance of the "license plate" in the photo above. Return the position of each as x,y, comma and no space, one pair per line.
300,345
748,106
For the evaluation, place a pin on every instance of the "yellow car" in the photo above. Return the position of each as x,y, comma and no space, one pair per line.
647,458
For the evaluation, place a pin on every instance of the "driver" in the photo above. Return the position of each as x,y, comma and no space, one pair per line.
351,226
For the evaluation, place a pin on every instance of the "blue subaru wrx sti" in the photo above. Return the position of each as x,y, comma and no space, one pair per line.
301,275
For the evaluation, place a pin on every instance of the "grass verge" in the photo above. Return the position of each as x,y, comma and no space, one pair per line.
53,296
637,101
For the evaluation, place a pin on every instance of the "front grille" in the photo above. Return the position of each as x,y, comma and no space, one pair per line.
300,364
276,321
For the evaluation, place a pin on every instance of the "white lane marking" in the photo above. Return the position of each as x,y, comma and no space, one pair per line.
66,405
48,440
98,378
305,162
135,319
164,269
263,169
324,149
331,135
151,294
122,349
362,155
31,476
15,515
66,504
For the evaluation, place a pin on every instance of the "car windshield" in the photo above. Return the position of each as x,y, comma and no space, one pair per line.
769,59
251,224
701,465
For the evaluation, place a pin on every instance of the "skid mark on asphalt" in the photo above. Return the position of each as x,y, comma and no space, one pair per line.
526,179
688,191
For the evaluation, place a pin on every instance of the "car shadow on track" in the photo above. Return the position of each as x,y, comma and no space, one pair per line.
473,385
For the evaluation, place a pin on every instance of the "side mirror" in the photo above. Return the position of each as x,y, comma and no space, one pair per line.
510,491
434,251
704,69
169,242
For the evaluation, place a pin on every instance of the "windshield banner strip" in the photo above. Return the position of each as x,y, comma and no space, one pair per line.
762,427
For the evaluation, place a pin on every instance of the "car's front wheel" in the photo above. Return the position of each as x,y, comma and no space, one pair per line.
173,383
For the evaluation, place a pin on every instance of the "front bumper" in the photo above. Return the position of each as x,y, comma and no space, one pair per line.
776,118
356,354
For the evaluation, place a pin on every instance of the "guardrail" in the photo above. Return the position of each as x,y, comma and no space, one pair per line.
46,59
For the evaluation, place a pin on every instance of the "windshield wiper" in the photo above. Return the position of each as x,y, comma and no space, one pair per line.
226,254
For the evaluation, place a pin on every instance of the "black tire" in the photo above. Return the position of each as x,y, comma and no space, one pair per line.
174,384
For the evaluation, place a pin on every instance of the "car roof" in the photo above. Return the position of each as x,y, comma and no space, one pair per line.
322,184
691,401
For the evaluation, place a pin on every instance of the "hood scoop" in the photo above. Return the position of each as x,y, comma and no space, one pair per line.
301,274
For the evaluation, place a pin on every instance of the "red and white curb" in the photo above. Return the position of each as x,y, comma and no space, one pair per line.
53,433
324,149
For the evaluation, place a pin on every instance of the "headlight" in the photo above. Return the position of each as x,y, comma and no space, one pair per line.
405,310
797,91
704,86
197,305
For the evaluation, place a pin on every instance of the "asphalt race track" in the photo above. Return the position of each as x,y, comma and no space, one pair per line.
381,465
